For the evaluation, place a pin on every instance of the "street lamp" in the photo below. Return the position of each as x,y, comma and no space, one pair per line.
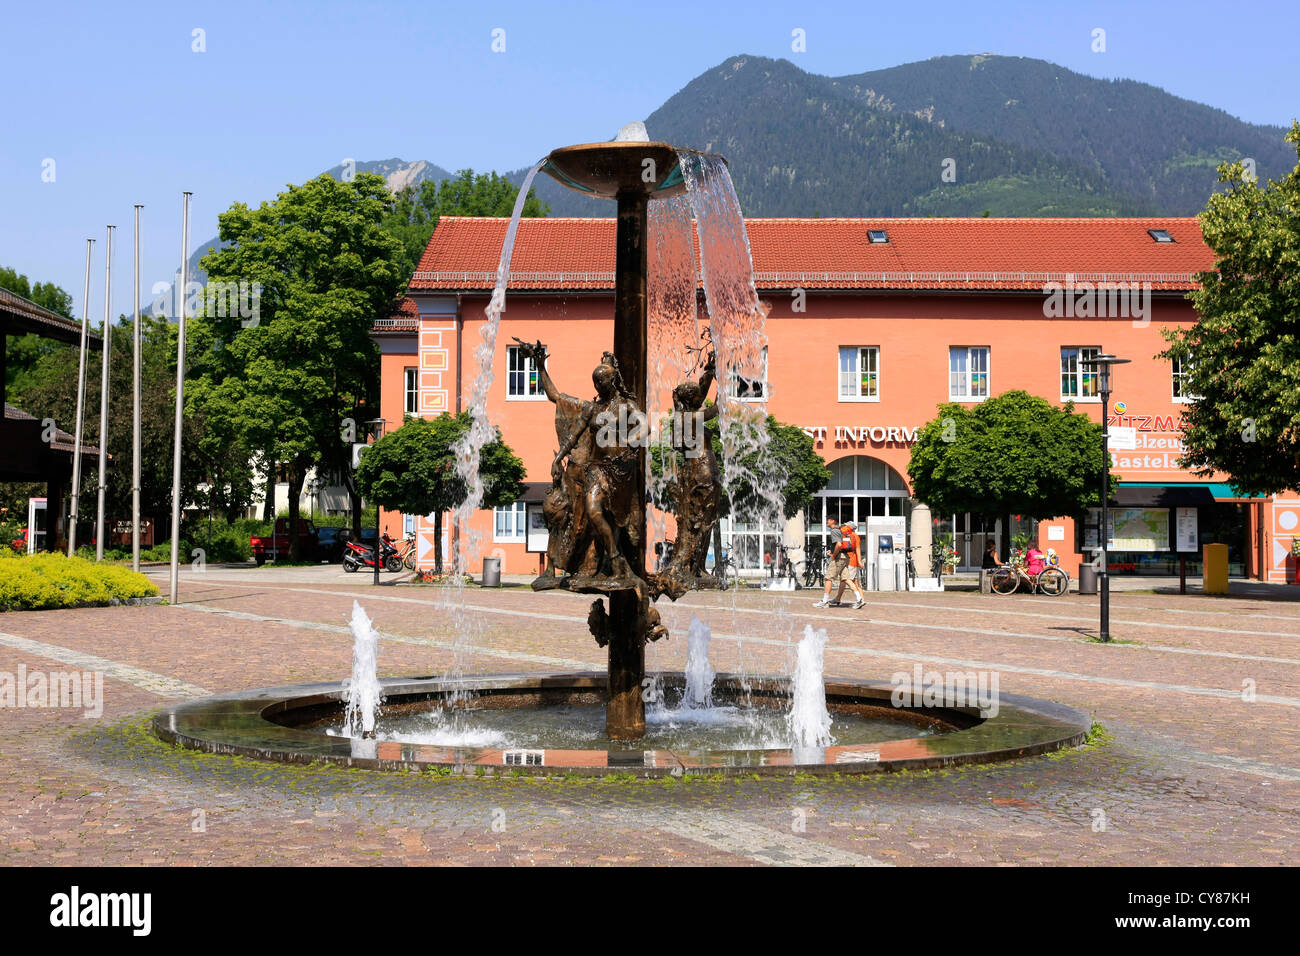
1103,364
379,424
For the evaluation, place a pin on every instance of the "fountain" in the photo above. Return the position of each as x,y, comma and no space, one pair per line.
596,513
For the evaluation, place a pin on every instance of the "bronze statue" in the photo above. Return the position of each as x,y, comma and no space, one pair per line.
591,509
566,525
697,488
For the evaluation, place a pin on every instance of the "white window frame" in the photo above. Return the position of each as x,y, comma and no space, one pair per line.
970,398
733,387
1079,373
1178,374
411,383
854,376
518,521
528,365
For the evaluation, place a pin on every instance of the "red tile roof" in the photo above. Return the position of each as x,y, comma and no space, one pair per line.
988,253
404,317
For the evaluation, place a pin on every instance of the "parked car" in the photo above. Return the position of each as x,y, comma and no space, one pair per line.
268,547
330,544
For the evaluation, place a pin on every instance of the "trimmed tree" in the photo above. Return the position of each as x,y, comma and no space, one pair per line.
1242,357
1012,454
412,469
789,460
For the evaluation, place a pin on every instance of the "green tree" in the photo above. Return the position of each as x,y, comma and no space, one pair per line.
1242,357
412,469
1015,453
416,212
24,351
298,378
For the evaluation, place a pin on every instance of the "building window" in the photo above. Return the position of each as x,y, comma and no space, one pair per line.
859,373
750,389
1182,370
1080,377
508,522
968,373
412,405
522,380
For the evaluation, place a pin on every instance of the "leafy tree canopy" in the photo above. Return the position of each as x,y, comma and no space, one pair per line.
1012,454
24,351
1242,357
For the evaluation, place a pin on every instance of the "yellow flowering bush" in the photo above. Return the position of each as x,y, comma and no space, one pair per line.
45,581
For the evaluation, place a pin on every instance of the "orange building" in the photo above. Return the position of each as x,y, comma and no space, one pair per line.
872,324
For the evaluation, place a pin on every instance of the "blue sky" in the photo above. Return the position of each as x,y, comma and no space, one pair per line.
115,95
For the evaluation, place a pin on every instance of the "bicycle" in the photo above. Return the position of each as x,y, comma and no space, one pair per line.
725,573
1051,580
812,571
784,567
407,551
911,565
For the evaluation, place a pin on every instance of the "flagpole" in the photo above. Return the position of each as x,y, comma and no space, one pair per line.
180,397
81,403
104,333
135,408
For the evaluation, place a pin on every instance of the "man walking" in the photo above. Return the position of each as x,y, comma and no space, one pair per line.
843,563
851,544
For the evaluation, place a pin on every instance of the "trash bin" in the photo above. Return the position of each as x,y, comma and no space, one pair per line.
1214,577
1087,579
492,572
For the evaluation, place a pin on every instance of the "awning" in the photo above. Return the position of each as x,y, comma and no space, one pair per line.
1147,495
1182,494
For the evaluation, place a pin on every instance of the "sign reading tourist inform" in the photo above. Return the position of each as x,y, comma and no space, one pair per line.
864,434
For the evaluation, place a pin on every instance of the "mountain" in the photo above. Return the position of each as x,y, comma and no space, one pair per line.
1020,137
1024,137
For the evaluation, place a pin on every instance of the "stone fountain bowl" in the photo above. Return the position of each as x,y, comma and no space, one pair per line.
607,169
287,724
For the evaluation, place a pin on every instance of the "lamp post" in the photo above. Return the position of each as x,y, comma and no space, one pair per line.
379,424
1103,364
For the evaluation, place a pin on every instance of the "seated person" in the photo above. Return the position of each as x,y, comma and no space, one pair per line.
1035,559
991,559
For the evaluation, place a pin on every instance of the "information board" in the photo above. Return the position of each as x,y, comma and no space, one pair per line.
1187,536
536,537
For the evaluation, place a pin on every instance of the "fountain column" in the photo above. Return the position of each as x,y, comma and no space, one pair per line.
625,713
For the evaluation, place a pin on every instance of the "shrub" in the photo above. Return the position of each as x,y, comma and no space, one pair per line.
45,581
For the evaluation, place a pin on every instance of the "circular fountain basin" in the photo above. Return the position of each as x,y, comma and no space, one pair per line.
607,169
298,724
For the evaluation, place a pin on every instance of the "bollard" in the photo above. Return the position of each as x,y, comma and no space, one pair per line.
986,581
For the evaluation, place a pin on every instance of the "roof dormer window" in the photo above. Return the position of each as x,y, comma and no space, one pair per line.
1160,235
877,235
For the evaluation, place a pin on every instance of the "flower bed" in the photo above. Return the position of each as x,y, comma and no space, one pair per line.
45,581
